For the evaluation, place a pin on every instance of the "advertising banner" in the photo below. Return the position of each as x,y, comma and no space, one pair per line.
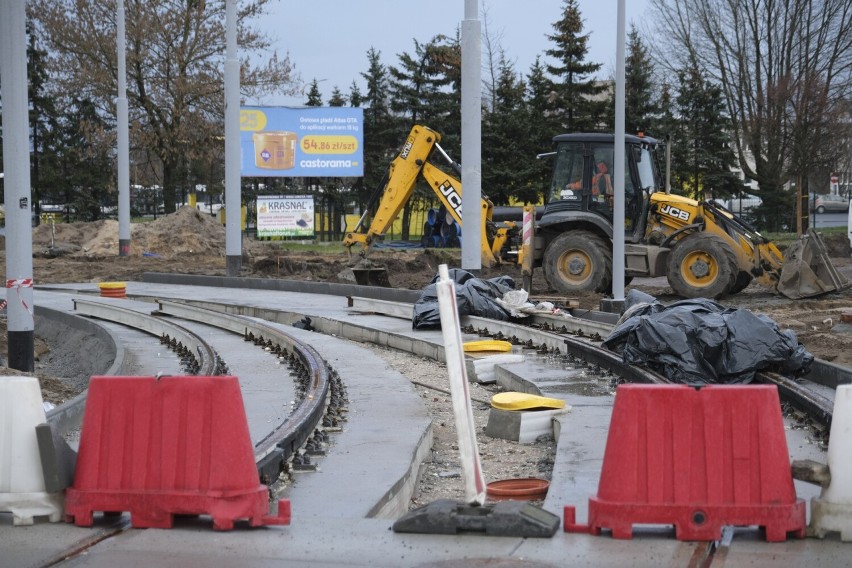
285,216
301,142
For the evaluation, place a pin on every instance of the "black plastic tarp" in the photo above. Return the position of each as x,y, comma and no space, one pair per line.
701,341
474,297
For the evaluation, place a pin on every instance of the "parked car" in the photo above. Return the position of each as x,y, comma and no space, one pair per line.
740,204
830,202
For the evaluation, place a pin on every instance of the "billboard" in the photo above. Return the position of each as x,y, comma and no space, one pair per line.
301,142
285,216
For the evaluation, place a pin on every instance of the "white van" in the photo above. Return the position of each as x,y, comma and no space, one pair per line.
741,204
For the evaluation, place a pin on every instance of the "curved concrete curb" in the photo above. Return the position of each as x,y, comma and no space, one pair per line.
69,415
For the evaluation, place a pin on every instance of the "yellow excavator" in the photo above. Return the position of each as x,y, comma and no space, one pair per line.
703,249
412,164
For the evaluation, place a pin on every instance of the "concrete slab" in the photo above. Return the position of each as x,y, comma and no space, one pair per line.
522,426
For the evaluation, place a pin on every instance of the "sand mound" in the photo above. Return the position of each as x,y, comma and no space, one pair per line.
187,231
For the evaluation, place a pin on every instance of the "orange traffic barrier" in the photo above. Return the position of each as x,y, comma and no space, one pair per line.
159,447
698,459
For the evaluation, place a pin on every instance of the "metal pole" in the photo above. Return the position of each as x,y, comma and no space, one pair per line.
618,186
16,162
233,244
471,139
123,138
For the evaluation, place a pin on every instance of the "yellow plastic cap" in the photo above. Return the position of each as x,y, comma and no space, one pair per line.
524,401
487,345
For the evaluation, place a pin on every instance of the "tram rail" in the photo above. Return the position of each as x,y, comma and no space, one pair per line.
323,389
320,393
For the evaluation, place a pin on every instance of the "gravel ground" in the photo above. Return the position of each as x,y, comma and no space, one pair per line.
441,475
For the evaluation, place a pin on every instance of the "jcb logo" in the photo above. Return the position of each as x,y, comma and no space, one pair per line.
407,148
675,212
452,196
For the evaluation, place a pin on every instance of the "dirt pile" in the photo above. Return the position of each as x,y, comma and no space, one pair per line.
188,231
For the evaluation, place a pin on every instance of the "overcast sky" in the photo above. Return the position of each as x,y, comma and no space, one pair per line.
328,40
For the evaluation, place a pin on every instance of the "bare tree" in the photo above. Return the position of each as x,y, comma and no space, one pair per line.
782,65
493,57
175,69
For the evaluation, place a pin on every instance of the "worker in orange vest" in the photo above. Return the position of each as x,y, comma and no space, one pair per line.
601,183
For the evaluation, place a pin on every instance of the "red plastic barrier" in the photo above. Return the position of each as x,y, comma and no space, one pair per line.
164,447
698,460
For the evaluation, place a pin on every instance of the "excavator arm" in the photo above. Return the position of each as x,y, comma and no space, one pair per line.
399,185
411,164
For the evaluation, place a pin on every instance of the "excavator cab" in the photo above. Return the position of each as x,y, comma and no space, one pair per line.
583,179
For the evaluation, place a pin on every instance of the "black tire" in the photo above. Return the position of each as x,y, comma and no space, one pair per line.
578,261
820,209
741,283
702,266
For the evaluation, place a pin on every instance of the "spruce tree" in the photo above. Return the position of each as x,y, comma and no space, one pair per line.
78,165
707,156
578,100
424,90
381,135
505,135
542,126
639,104
42,116
314,95
337,99
355,96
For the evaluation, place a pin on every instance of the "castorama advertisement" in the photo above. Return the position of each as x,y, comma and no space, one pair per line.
301,142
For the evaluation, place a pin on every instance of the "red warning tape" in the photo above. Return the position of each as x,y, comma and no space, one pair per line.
17,284
20,283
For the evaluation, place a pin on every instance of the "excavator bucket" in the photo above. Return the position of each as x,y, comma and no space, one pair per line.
372,276
807,270
368,273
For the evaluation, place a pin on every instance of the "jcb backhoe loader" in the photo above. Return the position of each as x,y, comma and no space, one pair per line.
411,164
703,249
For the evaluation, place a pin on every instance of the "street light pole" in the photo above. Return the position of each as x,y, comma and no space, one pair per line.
233,244
471,138
619,163
16,161
123,149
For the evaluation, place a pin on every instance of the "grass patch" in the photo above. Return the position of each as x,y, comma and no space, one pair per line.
783,240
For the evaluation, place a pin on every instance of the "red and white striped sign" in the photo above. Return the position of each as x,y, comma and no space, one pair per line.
17,284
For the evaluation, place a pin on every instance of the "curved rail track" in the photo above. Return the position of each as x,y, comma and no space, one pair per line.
319,404
321,395
576,339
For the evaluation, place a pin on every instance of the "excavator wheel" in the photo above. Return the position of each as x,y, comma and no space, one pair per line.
742,281
578,261
702,266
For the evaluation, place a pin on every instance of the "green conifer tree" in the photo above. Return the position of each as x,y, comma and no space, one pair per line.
578,98
314,95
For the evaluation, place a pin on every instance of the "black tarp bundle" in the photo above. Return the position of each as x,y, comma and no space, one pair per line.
474,297
700,341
